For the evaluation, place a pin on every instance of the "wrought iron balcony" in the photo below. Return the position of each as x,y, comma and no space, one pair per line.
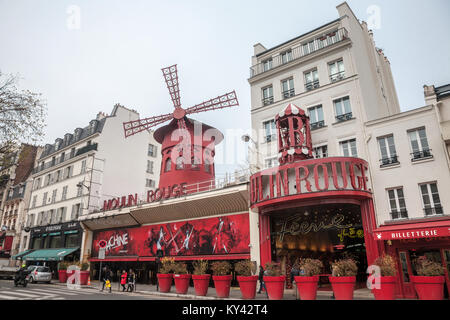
337,76
399,214
430,211
419,155
344,117
389,161
317,125
267,101
312,85
289,93
320,43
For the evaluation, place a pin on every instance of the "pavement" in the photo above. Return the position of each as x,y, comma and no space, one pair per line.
235,293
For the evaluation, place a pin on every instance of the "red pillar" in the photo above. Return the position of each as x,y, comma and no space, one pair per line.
264,238
374,248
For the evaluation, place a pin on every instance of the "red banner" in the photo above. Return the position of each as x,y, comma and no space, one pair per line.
212,236
412,233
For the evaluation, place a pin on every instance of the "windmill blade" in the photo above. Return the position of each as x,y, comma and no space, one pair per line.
136,126
171,78
225,101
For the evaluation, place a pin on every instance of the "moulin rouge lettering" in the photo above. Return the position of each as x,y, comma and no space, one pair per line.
173,191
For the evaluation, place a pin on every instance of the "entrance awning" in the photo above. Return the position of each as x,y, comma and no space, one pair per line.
418,230
115,259
49,254
20,255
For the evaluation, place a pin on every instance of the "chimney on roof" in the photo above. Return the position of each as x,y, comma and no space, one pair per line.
101,115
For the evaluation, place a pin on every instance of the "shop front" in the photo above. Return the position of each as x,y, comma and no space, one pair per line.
409,241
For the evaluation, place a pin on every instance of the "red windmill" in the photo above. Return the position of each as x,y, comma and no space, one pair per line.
188,146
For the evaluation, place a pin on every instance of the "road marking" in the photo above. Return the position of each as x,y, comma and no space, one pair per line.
10,298
53,292
19,294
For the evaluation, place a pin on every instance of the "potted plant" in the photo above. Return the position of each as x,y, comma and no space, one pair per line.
247,281
343,278
429,282
222,278
387,278
165,275
181,277
62,272
84,273
200,277
308,280
274,281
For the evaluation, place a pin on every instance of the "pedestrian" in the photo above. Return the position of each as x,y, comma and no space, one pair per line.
295,272
108,280
104,271
131,281
123,280
261,275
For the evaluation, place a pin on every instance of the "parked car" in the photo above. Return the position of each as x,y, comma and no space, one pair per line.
7,272
39,274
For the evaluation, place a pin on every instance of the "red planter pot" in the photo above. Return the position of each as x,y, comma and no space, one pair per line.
343,287
62,276
68,275
275,287
386,290
182,283
84,277
429,288
222,285
165,282
201,284
248,286
307,287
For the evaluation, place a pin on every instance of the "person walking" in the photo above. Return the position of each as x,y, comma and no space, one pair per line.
123,280
262,285
108,278
104,272
131,281
295,272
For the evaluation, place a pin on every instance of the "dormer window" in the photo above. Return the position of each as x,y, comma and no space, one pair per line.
78,133
92,126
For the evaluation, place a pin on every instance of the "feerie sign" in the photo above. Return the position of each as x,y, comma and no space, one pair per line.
173,191
310,176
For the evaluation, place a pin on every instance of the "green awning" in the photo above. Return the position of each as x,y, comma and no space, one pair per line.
71,232
55,234
20,255
49,254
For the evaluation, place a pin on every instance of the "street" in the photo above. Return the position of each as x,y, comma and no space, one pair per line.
38,291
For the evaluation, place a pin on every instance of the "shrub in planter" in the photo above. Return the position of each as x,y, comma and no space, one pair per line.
308,280
429,282
343,278
62,272
387,279
165,274
222,278
274,281
181,277
247,281
200,277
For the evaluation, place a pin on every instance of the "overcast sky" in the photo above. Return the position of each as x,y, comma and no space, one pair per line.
116,54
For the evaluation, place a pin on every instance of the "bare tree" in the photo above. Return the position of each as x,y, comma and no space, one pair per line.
22,115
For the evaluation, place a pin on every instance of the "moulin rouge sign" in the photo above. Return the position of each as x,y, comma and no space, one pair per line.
308,177
174,191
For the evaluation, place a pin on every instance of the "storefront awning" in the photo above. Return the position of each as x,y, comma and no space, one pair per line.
114,259
20,255
49,254
418,230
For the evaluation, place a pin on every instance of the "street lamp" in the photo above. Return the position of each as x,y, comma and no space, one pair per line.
246,138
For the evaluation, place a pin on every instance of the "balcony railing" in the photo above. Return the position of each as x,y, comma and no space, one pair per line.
317,125
344,117
289,93
399,214
267,101
430,211
423,154
337,76
299,52
389,161
312,85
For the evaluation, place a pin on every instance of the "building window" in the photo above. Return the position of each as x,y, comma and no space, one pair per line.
149,166
316,117
271,163
152,150
37,183
270,130
397,204
150,183
54,195
288,88
267,65
337,71
83,166
430,199
72,241
286,56
75,211
68,172
33,203
80,189
64,193
419,144
57,175
72,152
388,152
308,47
61,159
343,109
311,80
44,199
168,165
320,152
267,94
349,148
47,180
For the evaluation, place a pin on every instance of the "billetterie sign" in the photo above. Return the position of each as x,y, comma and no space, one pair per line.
174,191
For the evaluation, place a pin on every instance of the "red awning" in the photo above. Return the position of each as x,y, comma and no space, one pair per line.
212,257
418,230
114,259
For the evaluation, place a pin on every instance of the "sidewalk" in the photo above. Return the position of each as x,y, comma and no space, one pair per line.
235,293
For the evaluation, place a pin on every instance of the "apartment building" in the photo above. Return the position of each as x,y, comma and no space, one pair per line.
76,174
